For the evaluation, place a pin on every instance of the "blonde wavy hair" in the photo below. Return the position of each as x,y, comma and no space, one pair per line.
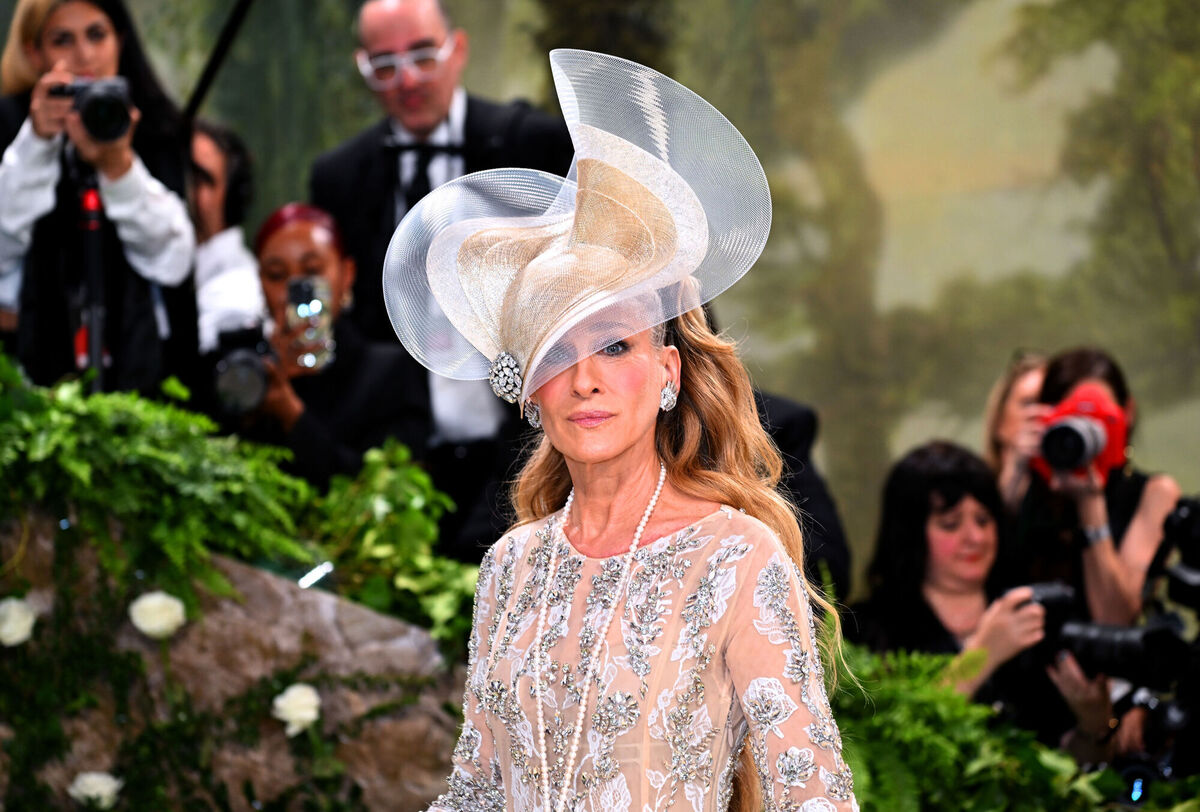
1022,364
715,449
17,73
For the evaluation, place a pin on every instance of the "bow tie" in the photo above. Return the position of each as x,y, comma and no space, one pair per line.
394,146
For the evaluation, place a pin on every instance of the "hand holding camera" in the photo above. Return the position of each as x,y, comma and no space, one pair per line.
48,111
1084,440
97,115
1010,624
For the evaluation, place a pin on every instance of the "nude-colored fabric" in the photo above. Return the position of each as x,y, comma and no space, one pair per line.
712,646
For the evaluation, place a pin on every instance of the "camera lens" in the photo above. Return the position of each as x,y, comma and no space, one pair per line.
105,118
241,381
103,106
1072,442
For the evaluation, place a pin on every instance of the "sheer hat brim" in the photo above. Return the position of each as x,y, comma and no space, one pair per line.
514,274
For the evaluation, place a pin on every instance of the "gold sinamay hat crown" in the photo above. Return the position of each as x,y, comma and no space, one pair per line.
514,274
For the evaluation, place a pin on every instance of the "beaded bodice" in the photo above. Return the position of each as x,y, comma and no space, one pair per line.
711,650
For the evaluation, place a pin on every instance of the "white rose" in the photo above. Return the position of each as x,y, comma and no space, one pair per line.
299,706
16,621
98,788
157,614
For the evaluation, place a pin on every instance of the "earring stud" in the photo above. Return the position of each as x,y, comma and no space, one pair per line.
666,402
533,414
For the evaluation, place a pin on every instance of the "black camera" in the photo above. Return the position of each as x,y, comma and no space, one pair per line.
1152,654
240,376
103,105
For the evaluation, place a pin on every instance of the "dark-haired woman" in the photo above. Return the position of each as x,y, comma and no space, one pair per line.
934,589
50,159
930,577
1097,533
326,401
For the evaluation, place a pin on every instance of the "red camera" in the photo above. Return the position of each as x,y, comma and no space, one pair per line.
1086,428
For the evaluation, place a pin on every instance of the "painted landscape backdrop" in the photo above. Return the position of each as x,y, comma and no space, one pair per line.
954,180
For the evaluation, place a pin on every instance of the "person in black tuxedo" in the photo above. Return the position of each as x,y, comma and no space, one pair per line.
793,427
412,58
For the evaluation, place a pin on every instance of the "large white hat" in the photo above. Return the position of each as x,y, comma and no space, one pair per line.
515,274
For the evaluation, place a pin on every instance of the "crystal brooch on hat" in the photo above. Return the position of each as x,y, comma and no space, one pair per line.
505,377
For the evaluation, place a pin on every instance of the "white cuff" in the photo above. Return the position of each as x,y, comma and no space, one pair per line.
127,189
30,148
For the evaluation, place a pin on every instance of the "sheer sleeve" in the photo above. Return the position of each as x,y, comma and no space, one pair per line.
476,781
780,684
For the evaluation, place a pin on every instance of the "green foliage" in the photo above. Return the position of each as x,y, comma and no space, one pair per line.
915,744
146,483
378,530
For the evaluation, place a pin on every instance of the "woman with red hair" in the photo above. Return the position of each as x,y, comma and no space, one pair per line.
331,394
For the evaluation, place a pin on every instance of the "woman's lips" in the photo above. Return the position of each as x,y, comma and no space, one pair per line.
589,419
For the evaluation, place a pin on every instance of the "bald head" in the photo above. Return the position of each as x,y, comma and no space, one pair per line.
420,100
381,12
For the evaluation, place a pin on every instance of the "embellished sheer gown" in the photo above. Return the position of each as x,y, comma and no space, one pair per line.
712,649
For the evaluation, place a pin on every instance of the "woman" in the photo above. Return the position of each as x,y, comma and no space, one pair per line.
934,589
331,394
933,557
50,160
1013,424
636,627
1095,530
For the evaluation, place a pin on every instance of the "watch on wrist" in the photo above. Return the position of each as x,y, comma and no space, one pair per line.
1095,535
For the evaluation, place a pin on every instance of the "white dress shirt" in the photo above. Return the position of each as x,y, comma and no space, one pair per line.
463,411
228,292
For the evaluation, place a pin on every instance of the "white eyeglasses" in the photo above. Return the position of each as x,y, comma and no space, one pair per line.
384,71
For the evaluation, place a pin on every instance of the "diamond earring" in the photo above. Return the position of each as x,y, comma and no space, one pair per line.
666,401
533,414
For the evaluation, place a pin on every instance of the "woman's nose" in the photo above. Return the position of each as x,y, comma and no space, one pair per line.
584,380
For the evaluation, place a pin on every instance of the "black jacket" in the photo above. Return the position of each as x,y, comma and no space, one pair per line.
355,182
793,427
354,404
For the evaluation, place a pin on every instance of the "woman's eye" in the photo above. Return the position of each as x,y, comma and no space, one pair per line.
561,355
615,348
97,33
62,40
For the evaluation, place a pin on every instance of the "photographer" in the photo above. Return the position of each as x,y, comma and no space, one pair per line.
1012,426
934,589
1096,527
330,394
125,143
228,293
932,585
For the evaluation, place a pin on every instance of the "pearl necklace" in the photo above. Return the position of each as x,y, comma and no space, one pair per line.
551,572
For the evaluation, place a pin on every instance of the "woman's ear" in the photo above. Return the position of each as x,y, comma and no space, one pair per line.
672,365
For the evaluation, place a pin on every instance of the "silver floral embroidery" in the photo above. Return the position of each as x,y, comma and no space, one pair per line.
796,766
675,624
768,704
616,714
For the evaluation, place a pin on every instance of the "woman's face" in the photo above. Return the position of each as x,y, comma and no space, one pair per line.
1021,395
82,36
605,406
962,544
302,249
